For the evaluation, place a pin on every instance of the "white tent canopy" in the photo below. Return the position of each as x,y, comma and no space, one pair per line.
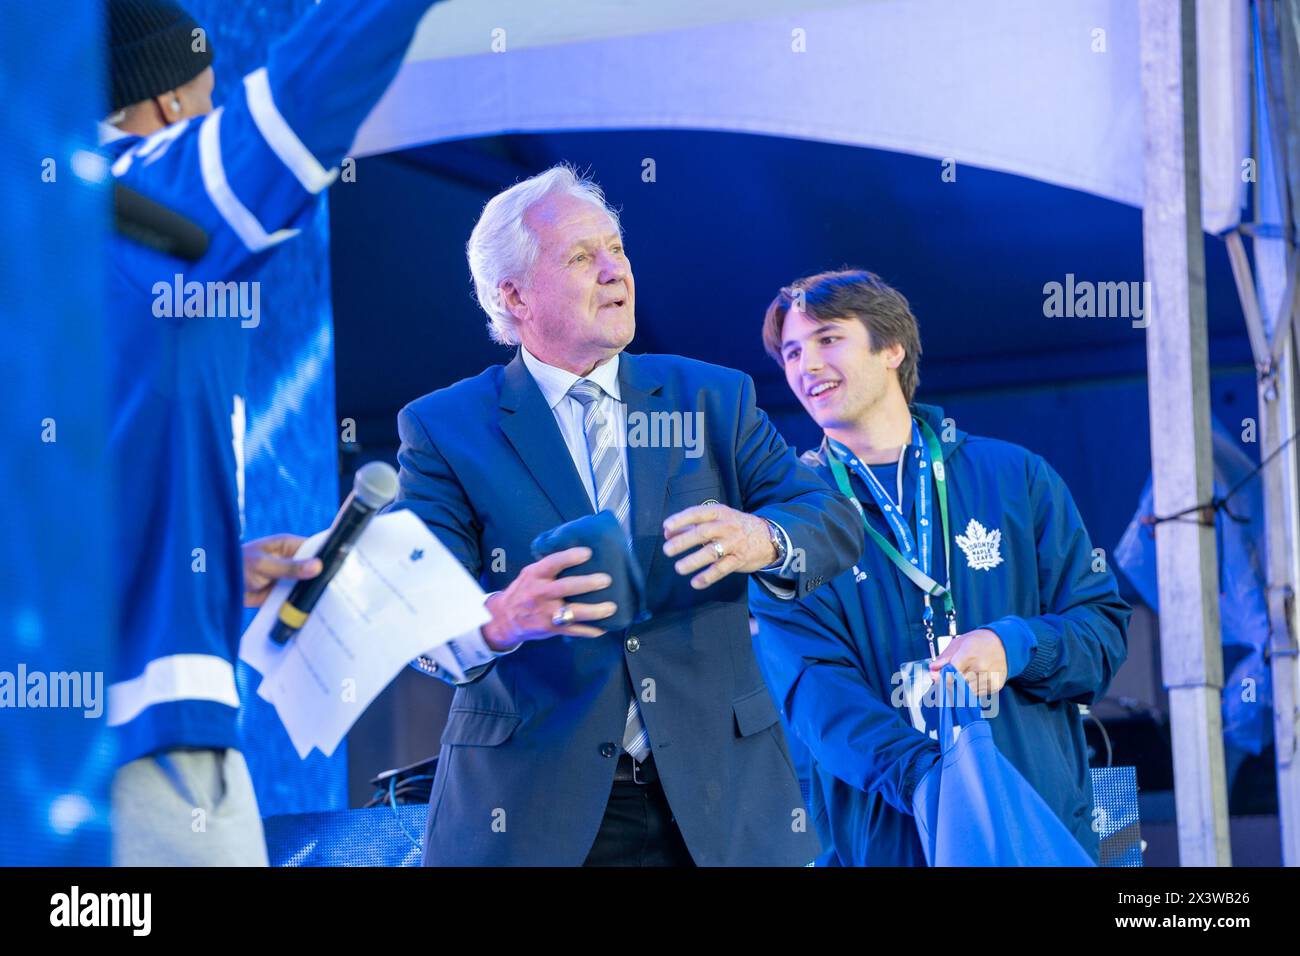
1050,91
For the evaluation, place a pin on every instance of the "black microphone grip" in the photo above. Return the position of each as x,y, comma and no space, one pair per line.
151,224
374,487
351,520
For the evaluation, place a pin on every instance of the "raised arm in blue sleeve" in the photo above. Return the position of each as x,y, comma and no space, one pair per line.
329,71
823,529
248,171
813,668
1072,649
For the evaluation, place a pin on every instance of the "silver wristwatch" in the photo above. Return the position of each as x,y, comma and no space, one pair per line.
778,543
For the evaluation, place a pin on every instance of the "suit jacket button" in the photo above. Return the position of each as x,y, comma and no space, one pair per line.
633,645
608,750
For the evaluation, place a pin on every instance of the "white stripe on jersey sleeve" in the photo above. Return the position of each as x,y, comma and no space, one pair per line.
166,679
149,146
245,225
279,135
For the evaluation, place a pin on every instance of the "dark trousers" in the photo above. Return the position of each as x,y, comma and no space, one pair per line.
638,829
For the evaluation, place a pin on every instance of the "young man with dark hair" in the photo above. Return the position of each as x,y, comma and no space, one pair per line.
974,555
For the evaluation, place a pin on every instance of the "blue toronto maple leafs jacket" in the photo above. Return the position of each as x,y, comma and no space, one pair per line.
1026,570
248,173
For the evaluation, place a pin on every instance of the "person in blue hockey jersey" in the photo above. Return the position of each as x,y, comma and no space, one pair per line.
974,554
246,173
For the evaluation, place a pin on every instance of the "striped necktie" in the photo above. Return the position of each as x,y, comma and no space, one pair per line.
607,477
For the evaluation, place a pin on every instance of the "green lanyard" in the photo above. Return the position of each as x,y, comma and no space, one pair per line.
929,587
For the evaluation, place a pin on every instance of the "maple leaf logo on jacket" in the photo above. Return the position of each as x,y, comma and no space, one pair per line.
981,546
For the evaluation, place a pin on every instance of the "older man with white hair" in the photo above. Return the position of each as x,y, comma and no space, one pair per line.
656,744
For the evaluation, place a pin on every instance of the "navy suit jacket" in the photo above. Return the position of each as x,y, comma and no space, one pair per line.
530,747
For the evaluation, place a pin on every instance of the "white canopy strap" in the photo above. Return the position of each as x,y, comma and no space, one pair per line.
1273,316
1269,299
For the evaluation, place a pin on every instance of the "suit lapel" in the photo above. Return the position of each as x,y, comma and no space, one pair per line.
648,465
530,426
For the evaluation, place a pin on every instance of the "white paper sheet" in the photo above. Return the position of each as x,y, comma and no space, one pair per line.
399,594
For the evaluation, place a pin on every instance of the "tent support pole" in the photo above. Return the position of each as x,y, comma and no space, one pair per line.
1178,392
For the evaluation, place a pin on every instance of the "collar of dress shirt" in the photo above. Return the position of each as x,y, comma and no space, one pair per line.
556,382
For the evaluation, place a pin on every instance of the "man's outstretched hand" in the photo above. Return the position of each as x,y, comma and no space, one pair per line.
269,559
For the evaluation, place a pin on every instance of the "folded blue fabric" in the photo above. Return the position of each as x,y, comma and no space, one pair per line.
974,808
610,554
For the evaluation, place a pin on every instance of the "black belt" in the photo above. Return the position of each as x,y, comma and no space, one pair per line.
629,771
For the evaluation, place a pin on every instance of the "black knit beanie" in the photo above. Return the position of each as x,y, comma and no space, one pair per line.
151,50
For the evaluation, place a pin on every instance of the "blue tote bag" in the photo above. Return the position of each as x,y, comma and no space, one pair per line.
974,808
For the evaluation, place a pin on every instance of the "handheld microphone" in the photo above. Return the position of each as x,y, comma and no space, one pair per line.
154,225
375,487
